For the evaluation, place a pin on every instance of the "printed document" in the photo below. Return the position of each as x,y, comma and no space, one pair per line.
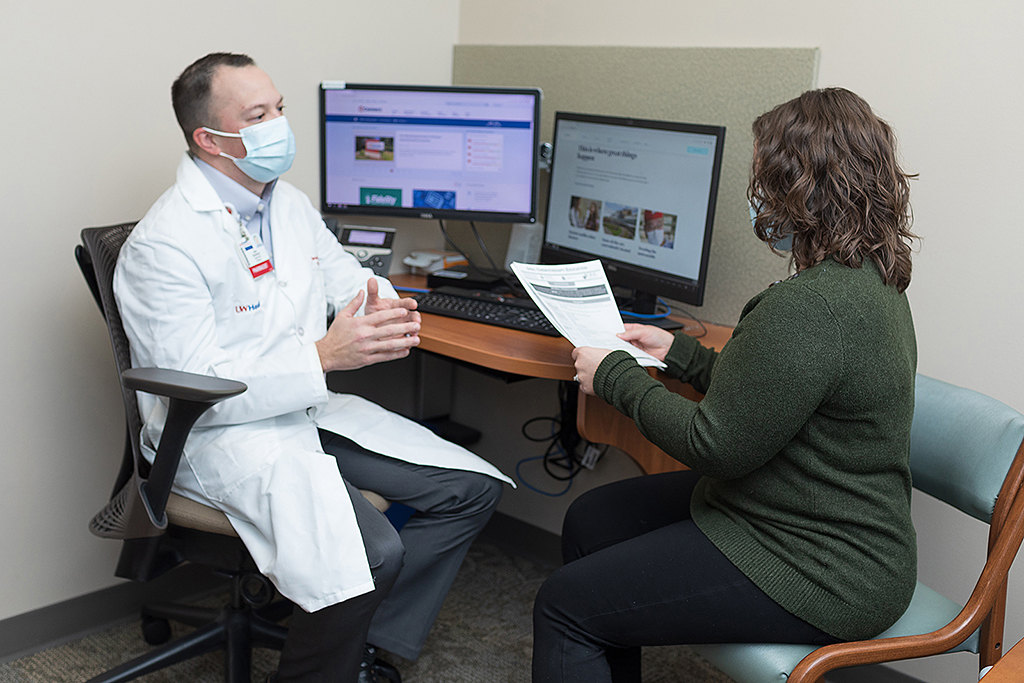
577,299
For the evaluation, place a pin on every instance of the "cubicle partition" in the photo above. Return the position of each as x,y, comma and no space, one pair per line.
720,86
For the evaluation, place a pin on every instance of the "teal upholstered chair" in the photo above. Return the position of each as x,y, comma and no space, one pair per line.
966,450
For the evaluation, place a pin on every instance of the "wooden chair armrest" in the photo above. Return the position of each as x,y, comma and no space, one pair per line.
815,665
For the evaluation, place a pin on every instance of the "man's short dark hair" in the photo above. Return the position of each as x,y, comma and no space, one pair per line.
190,93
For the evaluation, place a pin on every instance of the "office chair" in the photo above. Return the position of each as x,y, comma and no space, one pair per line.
967,450
159,529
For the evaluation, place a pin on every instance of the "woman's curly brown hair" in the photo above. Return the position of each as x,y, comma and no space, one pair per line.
825,171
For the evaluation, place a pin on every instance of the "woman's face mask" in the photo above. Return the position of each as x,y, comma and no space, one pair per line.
783,244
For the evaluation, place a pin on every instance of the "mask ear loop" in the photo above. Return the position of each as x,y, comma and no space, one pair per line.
225,135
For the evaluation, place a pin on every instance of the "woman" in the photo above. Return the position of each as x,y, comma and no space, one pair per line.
574,213
592,216
793,524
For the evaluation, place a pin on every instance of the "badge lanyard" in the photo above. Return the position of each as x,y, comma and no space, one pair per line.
250,248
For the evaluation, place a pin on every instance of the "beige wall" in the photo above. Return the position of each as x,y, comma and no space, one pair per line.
90,139
948,76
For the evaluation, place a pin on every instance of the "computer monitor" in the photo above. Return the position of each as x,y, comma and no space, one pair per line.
429,151
640,196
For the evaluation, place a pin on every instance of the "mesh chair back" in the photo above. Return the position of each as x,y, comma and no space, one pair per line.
101,247
962,444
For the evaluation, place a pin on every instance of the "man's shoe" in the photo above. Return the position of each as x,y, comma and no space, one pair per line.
373,670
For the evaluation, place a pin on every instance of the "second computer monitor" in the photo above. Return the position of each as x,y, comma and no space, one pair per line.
639,195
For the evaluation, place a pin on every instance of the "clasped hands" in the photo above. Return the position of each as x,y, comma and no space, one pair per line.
653,340
387,330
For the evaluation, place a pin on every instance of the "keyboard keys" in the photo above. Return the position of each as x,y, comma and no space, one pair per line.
486,307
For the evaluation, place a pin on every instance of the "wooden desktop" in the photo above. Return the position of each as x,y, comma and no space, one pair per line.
1009,668
535,355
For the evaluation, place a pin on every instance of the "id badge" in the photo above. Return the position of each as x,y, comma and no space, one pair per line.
254,256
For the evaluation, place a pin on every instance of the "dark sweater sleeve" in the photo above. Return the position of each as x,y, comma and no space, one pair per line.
690,361
773,373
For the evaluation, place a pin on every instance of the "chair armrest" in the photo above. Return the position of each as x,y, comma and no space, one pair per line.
190,395
979,605
187,386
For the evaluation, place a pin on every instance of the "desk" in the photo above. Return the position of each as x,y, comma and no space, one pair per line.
535,355
1009,668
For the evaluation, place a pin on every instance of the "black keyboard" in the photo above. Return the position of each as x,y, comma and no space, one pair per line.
486,307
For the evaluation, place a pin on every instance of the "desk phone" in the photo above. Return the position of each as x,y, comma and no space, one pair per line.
371,245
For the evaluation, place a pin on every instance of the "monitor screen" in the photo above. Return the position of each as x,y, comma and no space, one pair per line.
429,152
639,195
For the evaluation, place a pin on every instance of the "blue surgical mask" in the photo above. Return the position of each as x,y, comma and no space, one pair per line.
784,244
269,149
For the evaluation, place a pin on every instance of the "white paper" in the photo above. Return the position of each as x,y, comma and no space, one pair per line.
577,299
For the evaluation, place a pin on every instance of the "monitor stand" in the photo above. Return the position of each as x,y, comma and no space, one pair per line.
643,303
465,277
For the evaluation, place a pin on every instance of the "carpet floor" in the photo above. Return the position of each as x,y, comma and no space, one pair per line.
483,635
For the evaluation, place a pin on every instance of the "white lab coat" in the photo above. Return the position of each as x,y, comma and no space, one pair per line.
189,303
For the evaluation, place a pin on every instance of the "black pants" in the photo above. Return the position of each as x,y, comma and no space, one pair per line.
326,646
412,570
452,507
639,572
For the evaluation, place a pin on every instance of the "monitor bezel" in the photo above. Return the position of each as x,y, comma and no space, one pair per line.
625,274
443,214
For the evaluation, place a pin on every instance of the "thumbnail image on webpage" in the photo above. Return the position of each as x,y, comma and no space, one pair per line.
656,228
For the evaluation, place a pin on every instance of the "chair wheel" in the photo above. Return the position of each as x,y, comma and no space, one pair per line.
386,671
155,631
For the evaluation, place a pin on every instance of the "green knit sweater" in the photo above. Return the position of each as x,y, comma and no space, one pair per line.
803,438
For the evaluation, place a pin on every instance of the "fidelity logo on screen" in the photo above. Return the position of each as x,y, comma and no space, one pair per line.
376,196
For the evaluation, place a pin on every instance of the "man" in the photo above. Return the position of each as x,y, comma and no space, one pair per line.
233,273
654,227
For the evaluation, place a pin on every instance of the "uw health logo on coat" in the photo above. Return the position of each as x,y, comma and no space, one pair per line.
247,308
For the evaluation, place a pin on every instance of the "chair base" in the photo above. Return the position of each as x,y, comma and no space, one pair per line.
235,629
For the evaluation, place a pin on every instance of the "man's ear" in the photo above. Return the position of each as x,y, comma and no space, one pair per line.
206,142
